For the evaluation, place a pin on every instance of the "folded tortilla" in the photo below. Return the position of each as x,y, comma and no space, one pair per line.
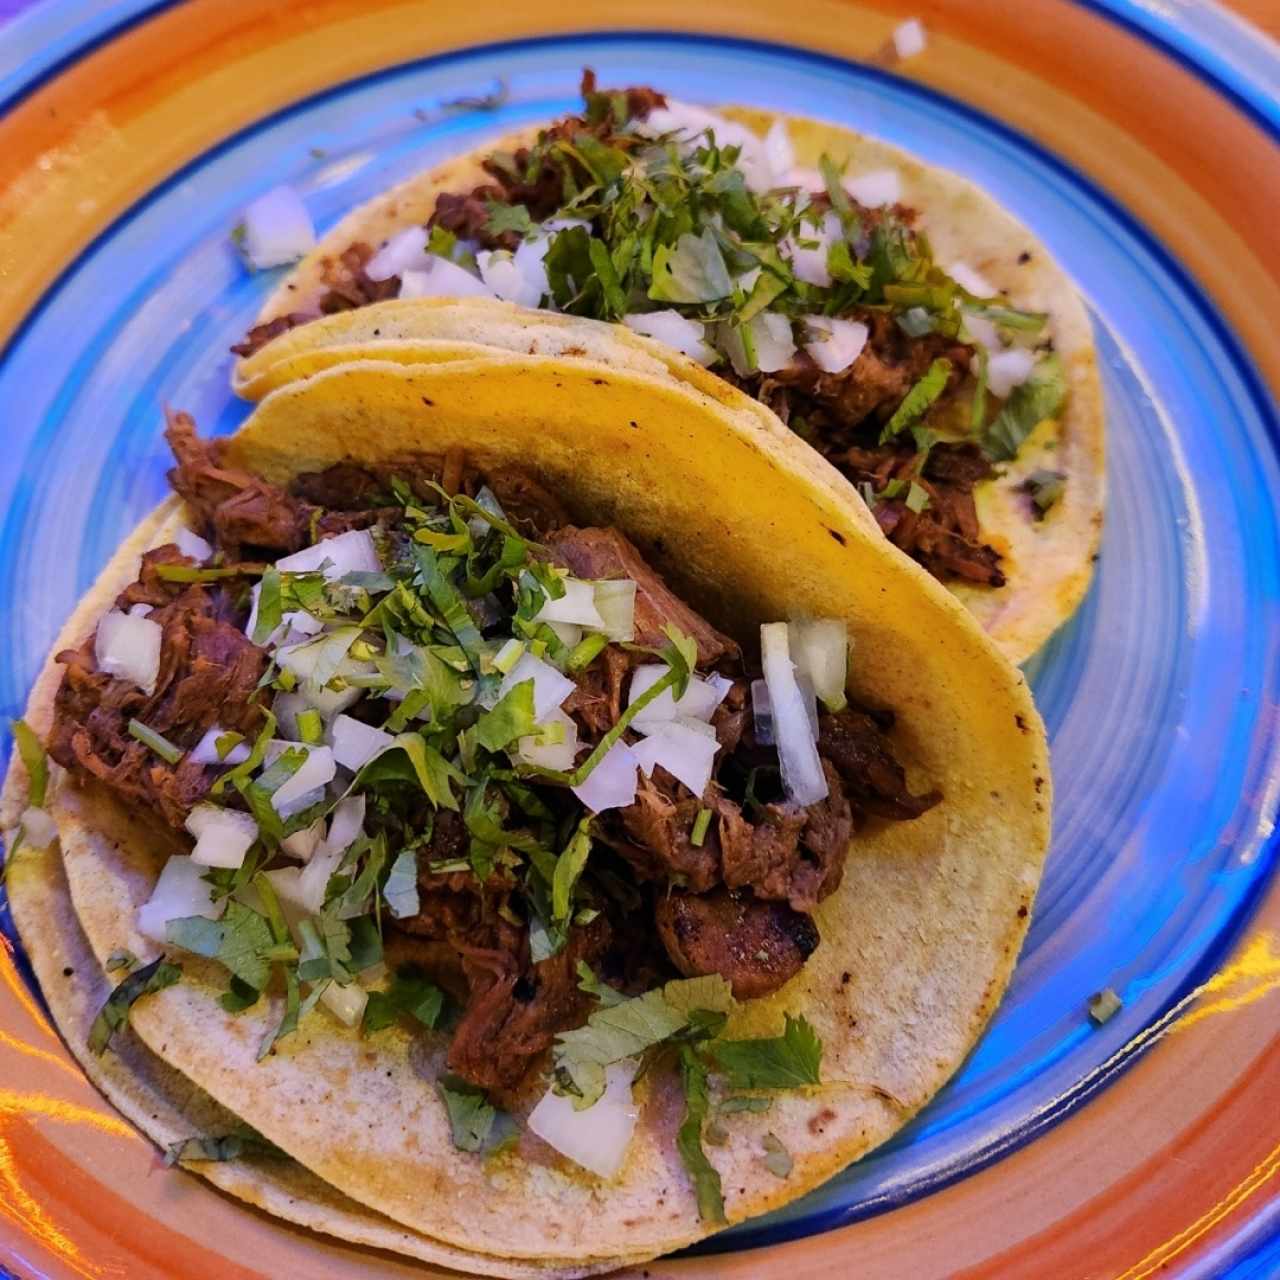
918,942
1048,562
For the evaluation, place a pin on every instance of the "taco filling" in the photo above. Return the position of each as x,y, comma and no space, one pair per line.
816,293
415,716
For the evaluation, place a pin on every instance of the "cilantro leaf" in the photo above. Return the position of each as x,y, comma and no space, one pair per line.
34,760
410,758
511,718
697,1102
507,217
788,1061
410,994
471,1114
1038,398
1045,488
588,982
693,271
114,1014
229,1146
569,867
240,941
917,401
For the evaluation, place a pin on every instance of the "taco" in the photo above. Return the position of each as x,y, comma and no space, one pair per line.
890,314
560,889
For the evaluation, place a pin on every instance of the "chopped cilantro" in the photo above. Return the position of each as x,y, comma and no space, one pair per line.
471,1114
788,1061
31,753
697,1102
1028,405
603,992
229,1146
508,217
411,994
569,867
1046,488
917,498
114,1014
915,404
121,958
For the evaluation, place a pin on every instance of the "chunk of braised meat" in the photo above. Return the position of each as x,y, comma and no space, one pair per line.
731,718
654,834
240,508
208,674
345,486
606,553
516,1009
888,366
756,946
261,334
597,701
857,746
348,285
530,506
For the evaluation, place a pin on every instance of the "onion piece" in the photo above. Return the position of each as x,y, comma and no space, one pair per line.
762,710
192,545
316,771
401,253
180,891
616,603
1008,369
779,154
128,646
302,844
356,743
670,327
612,783
834,344
699,700
982,331
518,277
771,337
971,281
802,774
568,633
277,229
879,187
550,687
577,605
345,1003
350,552
441,278
39,830
810,265
684,752
223,836
318,660
346,824
551,755
206,750
908,38
820,650
596,1137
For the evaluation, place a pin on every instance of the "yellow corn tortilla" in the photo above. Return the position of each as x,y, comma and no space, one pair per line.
918,943
1048,562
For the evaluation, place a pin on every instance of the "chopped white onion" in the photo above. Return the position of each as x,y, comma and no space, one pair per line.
518,277
908,38
568,633
318,660
879,187
192,545
758,157
39,830
820,650
771,337
317,770
302,844
805,178
206,750
356,743
223,836
350,552
277,229
441,278
779,154
616,603
612,783
550,687
982,331
687,336
552,755
296,621
834,344
699,700
128,646
971,280
762,710
141,610
303,888
401,253
1008,369
810,264
682,750
802,774
346,824
181,891
345,1003
596,1137
577,605
328,702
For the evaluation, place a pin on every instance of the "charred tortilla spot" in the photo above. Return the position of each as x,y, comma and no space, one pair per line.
839,537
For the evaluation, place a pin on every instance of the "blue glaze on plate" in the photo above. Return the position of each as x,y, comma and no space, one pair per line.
1157,694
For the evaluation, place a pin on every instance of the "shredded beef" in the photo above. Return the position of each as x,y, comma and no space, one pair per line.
261,334
756,946
857,746
606,553
516,1009
655,836
597,701
208,673
532,508
349,285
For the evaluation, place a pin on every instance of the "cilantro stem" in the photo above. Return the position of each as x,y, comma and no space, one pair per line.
655,690
157,742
